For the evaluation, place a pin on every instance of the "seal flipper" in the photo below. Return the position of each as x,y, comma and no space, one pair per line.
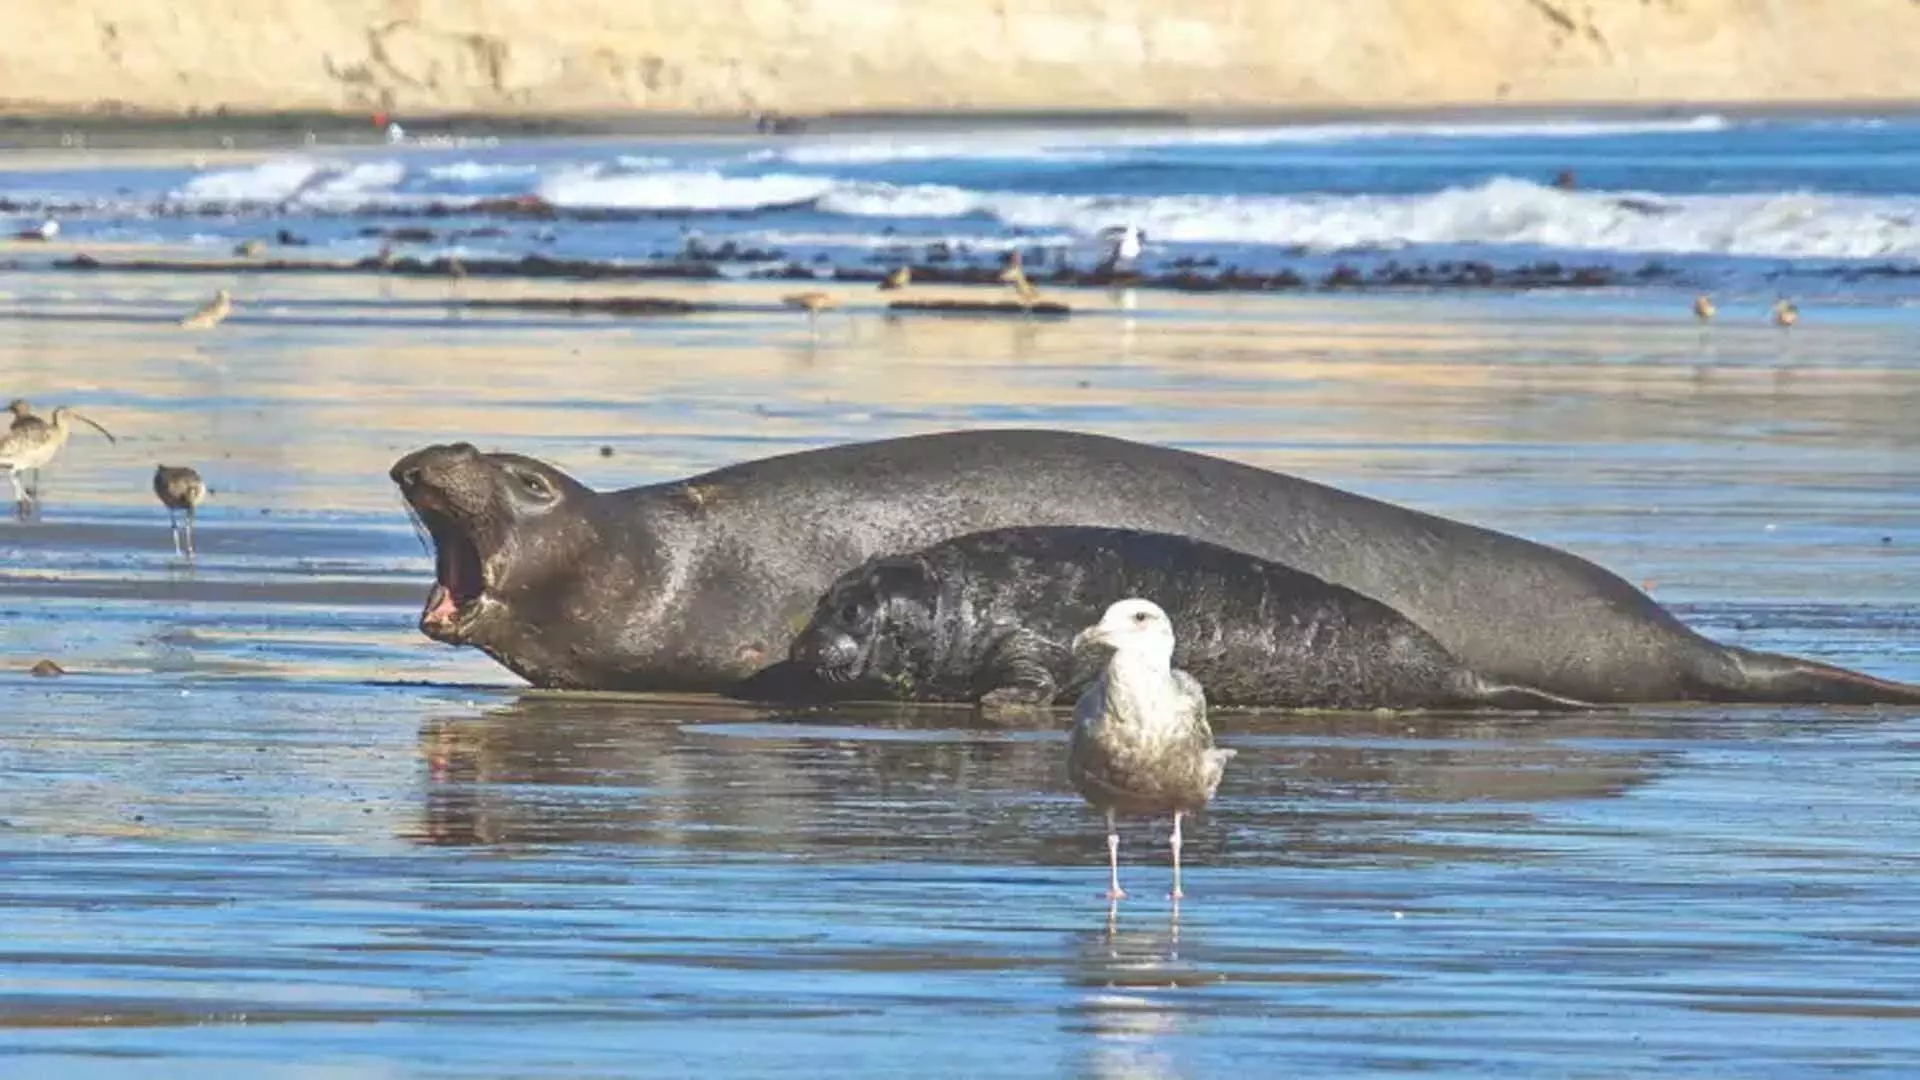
1757,676
1525,698
1016,673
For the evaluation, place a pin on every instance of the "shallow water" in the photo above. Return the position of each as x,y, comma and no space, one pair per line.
266,829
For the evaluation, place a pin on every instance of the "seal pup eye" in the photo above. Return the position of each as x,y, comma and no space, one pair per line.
850,612
1141,616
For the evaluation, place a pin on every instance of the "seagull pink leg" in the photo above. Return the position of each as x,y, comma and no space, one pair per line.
1114,891
1174,842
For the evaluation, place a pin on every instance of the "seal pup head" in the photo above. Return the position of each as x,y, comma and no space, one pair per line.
875,622
503,525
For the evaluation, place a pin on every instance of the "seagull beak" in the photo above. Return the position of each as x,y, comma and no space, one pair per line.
1092,635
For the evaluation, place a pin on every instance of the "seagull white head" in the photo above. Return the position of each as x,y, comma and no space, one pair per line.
1133,628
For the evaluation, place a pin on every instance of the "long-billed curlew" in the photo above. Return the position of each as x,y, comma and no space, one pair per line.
210,314
179,488
28,447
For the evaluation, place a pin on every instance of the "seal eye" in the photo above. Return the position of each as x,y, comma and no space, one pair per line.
536,485
1141,616
850,613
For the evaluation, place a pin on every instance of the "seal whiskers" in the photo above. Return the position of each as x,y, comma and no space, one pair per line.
179,488
1140,742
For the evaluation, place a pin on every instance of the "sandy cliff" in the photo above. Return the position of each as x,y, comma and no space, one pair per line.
558,56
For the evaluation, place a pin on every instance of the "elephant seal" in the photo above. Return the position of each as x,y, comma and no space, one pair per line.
698,584
989,617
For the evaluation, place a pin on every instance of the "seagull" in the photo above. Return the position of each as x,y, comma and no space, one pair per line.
179,488
212,313
1123,244
1140,742
46,230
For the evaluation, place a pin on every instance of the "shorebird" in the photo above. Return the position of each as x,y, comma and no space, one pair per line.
32,442
898,279
1703,308
1014,274
46,230
1785,314
1140,742
813,303
212,313
179,488
248,249
1123,245
22,414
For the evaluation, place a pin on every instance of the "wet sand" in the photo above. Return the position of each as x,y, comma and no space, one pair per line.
266,829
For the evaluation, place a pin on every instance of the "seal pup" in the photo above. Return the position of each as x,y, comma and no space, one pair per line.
986,618
27,447
898,278
1703,308
1140,743
1785,314
178,488
210,314
649,589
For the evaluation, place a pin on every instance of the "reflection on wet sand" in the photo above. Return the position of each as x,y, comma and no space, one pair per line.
588,769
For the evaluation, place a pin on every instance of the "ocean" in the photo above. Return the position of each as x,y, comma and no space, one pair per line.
1825,209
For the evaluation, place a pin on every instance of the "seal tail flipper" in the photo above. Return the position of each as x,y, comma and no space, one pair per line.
1776,677
1490,695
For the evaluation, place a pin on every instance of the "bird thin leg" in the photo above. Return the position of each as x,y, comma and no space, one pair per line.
19,493
173,527
189,532
1174,843
1114,892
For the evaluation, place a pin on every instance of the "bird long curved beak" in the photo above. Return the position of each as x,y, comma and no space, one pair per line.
94,426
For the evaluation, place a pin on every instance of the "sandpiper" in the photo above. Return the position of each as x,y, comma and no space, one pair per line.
179,488
1785,314
1703,308
898,279
813,303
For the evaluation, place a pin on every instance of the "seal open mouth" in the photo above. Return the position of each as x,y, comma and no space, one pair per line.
460,581
437,495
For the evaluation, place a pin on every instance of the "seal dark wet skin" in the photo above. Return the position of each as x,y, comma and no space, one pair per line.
700,584
988,617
